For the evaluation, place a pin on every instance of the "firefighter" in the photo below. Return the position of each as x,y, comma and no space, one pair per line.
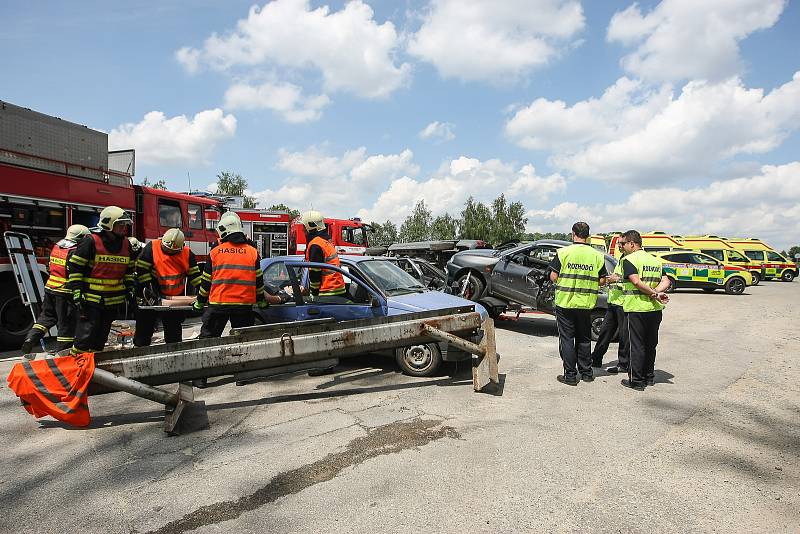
614,322
57,308
644,289
325,285
100,276
136,248
577,271
162,269
231,283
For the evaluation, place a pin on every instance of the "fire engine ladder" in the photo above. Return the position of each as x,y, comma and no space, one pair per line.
27,273
282,348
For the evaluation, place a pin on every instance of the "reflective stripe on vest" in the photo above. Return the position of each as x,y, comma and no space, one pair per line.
233,274
171,269
55,387
332,282
615,291
649,268
579,278
58,268
106,281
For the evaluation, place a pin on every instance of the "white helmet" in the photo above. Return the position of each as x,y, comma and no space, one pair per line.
76,232
313,221
173,240
228,224
136,245
112,215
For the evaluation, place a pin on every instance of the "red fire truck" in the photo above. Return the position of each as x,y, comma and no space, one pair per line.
54,173
349,236
269,229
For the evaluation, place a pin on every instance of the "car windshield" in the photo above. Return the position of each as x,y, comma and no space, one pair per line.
389,277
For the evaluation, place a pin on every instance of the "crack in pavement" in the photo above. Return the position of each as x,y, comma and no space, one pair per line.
387,439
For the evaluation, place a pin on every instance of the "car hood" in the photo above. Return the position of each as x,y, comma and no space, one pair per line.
430,300
475,257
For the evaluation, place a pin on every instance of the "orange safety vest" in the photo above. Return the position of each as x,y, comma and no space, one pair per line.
171,269
106,282
55,387
332,282
233,274
58,268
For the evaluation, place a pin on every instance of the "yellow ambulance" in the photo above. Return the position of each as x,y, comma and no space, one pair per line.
691,269
654,241
774,264
598,241
720,249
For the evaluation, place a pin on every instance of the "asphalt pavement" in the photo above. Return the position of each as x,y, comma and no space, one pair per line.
713,446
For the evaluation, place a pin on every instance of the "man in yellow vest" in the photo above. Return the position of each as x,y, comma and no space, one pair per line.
325,284
644,298
613,322
57,308
162,269
577,271
101,277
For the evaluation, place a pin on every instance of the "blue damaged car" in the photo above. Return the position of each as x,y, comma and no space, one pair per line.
376,287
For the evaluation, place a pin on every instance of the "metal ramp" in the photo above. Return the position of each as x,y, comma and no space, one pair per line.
284,348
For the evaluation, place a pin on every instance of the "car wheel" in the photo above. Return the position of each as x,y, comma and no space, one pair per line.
597,318
470,287
15,318
419,360
787,276
709,289
735,285
756,277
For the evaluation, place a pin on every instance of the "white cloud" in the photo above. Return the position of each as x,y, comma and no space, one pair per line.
442,131
687,39
285,99
448,189
765,205
494,41
161,140
350,50
635,134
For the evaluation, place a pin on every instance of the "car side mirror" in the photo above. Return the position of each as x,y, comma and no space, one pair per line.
374,301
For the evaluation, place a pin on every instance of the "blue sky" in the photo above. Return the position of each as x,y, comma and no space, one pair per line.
674,115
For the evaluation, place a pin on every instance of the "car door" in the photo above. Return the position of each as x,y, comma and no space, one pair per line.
680,268
707,271
512,278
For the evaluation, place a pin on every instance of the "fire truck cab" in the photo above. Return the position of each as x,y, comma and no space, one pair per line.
348,235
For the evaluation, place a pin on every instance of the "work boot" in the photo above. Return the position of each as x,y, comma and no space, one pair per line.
568,381
616,369
628,384
587,378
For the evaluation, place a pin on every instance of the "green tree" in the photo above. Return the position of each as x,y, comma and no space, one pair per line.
383,234
293,214
548,235
508,223
234,184
417,226
476,221
794,250
160,184
444,227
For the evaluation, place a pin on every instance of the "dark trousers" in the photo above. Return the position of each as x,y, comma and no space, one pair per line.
575,341
94,325
642,342
613,322
57,310
146,325
216,317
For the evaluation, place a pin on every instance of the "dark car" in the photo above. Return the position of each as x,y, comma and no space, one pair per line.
425,272
517,275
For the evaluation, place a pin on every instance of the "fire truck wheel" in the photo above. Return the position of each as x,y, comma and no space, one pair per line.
15,317
787,276
419,360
